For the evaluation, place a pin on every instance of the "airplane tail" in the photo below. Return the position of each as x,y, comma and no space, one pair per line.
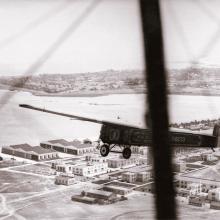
216,133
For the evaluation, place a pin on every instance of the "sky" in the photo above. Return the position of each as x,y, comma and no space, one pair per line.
109,37
34,39
191,32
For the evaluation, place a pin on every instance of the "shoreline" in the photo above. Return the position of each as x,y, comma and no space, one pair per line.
102,93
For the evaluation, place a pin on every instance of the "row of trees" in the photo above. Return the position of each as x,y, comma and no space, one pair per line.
188,125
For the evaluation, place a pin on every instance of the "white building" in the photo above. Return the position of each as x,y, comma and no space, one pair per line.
64,180
63,168
144,176
206,185
129,177
120,162
194,188
208,157
88,169
179,167
96,158
139,150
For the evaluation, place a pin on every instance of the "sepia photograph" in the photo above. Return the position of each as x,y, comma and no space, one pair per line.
109,110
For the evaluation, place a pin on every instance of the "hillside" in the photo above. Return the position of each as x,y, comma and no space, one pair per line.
97,83
194,81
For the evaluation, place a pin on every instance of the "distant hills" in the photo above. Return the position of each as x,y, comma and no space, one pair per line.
195,81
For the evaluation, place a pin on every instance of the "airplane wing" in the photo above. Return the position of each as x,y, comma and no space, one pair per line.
76,117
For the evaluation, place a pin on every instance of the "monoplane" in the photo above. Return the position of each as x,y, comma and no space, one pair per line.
124,136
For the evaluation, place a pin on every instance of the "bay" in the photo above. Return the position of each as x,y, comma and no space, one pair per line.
18,125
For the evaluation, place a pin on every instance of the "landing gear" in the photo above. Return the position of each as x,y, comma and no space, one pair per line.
126,152
104,150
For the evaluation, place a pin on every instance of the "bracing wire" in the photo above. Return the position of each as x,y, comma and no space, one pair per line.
50,51
213,40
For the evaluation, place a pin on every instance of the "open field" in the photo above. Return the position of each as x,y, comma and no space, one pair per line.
19,182
53,202
56,204
43,169
10,163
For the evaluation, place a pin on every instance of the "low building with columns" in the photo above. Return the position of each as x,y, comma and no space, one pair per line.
74,147
28,152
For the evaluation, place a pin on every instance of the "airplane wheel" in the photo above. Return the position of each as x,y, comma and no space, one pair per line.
104,150
126,153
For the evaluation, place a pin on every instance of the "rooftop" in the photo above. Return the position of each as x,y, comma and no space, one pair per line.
83,165
70,144
22,146
65,177
128,173
60,141
41,150
99,192
116,187
84,198
36,149
121,159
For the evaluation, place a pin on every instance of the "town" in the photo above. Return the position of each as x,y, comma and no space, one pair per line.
112,179
188,81
75,162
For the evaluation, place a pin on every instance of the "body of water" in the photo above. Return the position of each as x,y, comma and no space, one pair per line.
20,125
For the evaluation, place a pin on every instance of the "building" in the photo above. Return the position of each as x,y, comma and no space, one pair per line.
88,169
99,194
214,195
96,159
194,188
206,185
197,201
120,162
84,199
74,147
182,192
191,190
94,196
62,167
64,180
139,150
28,152
215,205
117,189
208,157
144,176
143,160
193,158
129,177
179,167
